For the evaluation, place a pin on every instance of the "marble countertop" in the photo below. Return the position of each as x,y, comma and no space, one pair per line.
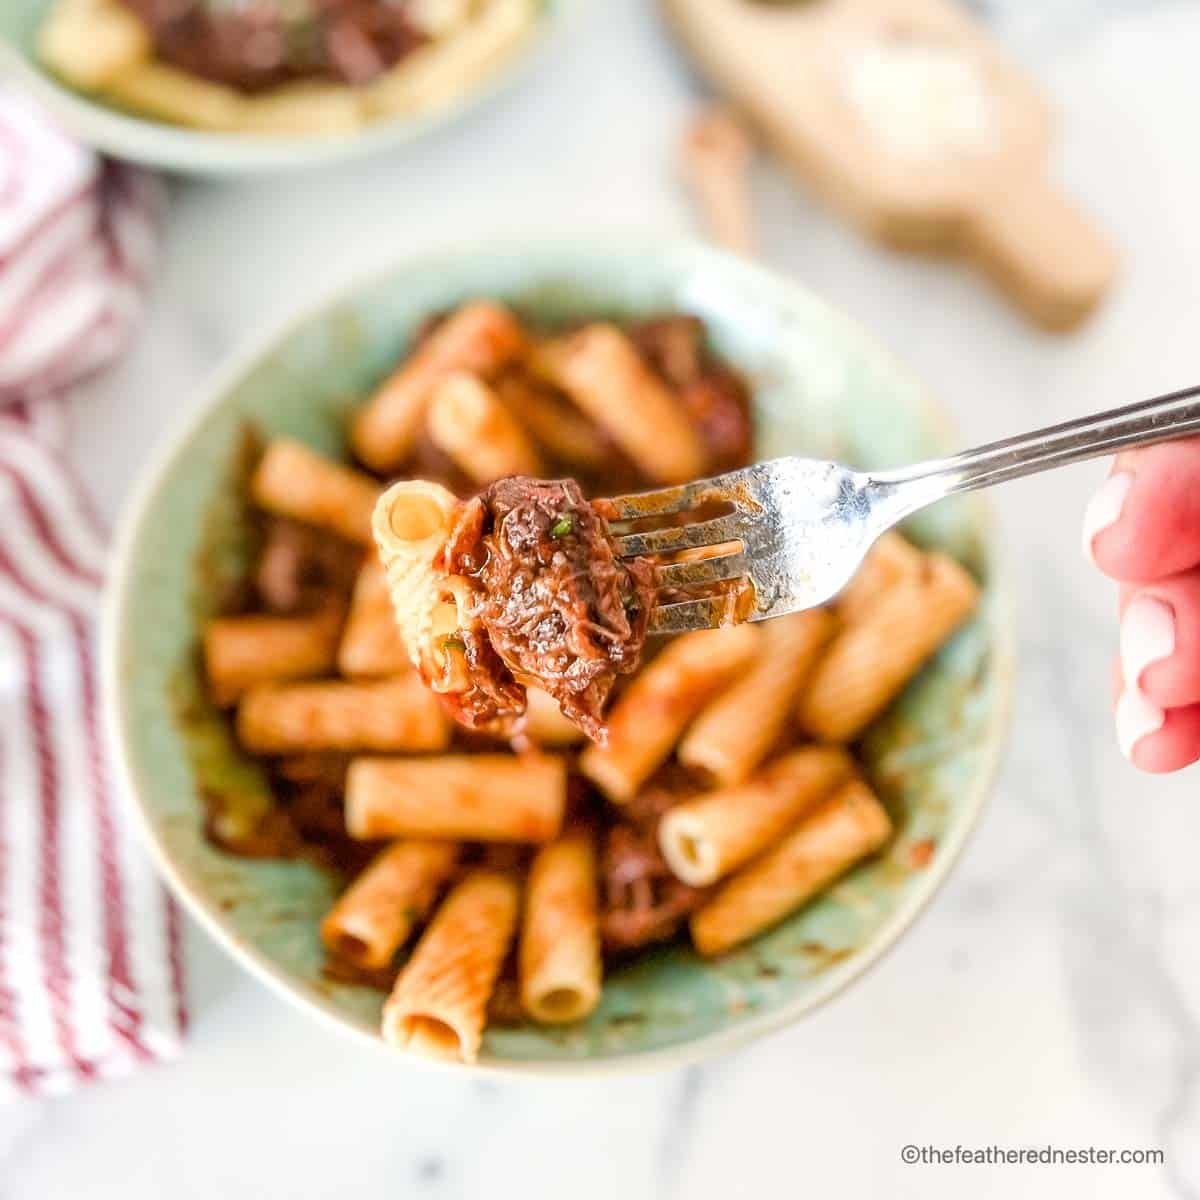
1051,994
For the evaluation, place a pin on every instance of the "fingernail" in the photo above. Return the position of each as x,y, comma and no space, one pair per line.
1147,636
1104,509
1137,718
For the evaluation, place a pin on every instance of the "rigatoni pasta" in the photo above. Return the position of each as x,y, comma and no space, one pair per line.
470,425
602,372
475,797
412,523
169,94
554,423
435,74
375,916
392,715
545,724
843,829
479,338
371,645
92,42
650,715
705,839
871,661
293,481
736,730
892,560
439,1004
242,652
559,956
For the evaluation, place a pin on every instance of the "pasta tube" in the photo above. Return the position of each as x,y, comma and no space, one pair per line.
413,521
647,719
481,337
307,108
371,645
737,729
843,829
559,959
706,838
91,42
396,714
470,797
293,481
470,425
553,423
869,663
439,1004
169,94
439,18
602,372
242,652
442,70
376,914
892,560
545,724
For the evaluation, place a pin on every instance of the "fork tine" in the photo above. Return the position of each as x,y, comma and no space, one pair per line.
664,501
729,528
709,570
689,615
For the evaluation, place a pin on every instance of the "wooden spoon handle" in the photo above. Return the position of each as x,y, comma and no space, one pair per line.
715,158
1042,251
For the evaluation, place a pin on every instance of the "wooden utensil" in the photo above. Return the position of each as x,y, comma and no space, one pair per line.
907,118
715,159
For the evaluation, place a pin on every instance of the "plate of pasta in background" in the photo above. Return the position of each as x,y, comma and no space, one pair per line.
390,711
217,87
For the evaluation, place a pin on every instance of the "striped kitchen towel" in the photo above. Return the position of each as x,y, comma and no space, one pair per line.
90,966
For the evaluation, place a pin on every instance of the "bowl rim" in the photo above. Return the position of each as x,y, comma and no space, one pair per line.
185,151
171,448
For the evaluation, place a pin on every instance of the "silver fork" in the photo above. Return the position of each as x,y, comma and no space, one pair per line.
802,527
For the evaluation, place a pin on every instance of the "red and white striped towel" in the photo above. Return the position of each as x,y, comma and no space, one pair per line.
90,964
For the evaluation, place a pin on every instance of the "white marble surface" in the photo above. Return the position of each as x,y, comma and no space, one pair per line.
1052,992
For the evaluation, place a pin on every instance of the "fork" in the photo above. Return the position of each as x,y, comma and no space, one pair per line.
797,529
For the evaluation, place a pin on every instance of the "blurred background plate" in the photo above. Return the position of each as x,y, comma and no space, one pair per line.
172,147
821,387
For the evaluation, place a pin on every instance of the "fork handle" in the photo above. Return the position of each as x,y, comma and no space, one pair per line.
1159,420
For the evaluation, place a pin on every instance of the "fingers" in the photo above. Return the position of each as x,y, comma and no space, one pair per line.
1175,746
1144,522
1160,639
1155,739
1143,528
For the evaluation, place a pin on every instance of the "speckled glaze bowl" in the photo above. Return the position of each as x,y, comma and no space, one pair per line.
171,147
821,387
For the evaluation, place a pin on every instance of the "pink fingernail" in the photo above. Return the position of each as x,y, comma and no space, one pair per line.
1137,718
1147,637
1105,509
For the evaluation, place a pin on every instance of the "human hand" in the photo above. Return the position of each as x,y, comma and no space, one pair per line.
1142,528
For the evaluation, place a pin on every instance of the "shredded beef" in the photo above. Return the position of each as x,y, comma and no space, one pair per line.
558,607
673,346
256,46
642,901
301,569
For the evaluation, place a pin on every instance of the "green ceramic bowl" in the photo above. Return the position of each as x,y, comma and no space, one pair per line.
173,148
821,388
